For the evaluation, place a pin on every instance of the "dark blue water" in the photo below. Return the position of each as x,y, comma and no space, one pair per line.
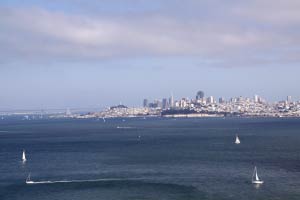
172,159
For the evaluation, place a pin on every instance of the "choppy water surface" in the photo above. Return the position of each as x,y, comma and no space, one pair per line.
150,159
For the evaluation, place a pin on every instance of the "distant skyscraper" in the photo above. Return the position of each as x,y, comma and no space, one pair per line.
256,98
200,95
240,99
233,100
289,98
171,101
210,99
165,103
183,103
145,103
157,103
221,100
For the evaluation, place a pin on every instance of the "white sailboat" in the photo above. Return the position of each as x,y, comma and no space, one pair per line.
23,156
255,178
237,140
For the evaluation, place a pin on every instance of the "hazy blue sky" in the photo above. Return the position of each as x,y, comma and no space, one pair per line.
88,53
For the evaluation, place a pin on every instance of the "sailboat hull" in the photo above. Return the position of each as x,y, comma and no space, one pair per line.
257,182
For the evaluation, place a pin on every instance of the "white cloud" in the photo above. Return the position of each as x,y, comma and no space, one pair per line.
244,33
279,12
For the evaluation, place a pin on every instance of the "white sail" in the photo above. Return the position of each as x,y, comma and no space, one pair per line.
237,140
256,176
23,156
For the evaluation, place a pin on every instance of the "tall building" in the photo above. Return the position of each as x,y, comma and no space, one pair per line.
182,103
240,99
171,101
221,100
199,95
289,98
165,104
158,103
210,99
145,103
256,98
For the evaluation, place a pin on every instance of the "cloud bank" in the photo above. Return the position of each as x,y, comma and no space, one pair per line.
230,33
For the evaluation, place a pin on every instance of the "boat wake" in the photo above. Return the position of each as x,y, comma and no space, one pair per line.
124,127
80,181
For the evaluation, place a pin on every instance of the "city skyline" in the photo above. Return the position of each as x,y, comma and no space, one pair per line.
169,102
59,54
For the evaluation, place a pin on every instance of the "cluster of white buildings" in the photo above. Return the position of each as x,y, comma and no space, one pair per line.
239,106
120,111
123,111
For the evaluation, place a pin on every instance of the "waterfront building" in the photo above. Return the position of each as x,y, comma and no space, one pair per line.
176,104
68,112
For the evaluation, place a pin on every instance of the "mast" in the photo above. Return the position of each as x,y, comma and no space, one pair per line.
28,178
254,173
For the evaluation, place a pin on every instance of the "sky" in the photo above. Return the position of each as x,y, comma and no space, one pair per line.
91,53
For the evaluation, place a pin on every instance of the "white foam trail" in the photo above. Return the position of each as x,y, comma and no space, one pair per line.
124,127
80,181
